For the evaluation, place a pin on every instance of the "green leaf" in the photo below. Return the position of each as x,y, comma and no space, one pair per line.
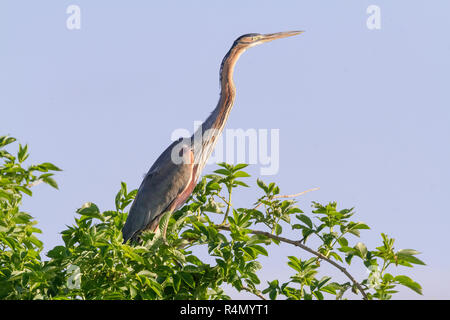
408,252
224,172
22,217
16,274
354,231
89,209
194,260
58,252
361,249
305,219
253,266
6,195
178,256
164,222
176,283
123,187
213,186
249,251
187,278
343,242
294,263
133,291
261,184
323,281
146,273
278,229
318,295
130,252
241,174
360,225
44,167
409,258
273,294
5,140
306,233
50,166
260,249
295,210
240,166
50,181
331,288
156,287
388,277
259,238
241,183
335,256
408,282
25,190
22,154
271,186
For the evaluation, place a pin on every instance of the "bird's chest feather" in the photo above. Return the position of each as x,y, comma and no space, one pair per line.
186,192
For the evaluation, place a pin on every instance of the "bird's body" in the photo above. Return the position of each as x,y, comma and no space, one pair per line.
173,176
163,189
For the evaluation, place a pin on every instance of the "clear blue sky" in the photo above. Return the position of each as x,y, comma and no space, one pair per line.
363,114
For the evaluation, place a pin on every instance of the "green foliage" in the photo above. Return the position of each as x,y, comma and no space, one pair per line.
334,230
93,263
22,273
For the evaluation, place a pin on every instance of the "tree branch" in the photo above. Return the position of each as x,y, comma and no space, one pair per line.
300,245
290,195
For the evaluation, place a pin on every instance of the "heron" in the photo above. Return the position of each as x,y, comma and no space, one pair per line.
174,175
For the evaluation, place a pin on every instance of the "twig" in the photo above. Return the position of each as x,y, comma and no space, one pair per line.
257,292
290,195
223,199
300,245
297,194
35,183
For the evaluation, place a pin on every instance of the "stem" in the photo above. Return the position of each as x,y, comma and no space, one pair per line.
334,242
223,199
289,195
228,207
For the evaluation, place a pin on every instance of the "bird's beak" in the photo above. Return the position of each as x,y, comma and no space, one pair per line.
279,35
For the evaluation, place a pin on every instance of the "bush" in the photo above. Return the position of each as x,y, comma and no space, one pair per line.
93,263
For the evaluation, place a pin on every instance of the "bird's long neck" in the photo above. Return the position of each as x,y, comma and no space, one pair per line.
213,126
219,116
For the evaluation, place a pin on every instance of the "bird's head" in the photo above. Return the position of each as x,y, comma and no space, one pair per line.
253,39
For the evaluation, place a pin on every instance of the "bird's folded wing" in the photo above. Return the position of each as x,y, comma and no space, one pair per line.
160,187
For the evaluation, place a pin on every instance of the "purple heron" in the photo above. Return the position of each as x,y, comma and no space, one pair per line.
172,178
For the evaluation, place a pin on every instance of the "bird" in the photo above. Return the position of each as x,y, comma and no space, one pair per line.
174,175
